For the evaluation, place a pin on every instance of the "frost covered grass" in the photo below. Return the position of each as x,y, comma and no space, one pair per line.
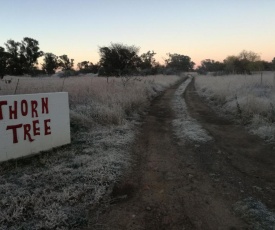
185,126
55,189
250,99
106,101
255,213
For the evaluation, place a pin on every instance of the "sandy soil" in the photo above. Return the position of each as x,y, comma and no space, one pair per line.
177,184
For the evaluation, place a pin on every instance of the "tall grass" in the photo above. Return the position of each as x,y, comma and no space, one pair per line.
105,102
250,98
55,190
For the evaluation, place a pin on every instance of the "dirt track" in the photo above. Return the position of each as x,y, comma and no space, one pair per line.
182,185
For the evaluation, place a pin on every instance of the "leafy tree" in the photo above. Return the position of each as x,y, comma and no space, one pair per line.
250,61
209,65
148,64
23,56
179,63
93,67
231,64
50,64
83,65
244,63
29,53
65,63
14,65
267,66
3,62
87,67
147,60
273,64
249,56
118,59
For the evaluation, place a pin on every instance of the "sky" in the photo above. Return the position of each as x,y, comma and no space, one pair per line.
200,29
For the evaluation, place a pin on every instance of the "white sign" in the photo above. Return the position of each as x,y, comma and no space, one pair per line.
30,123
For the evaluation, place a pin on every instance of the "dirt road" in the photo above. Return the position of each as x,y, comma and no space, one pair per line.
176,184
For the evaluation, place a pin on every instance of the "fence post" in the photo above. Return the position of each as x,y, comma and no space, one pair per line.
16,86
63,84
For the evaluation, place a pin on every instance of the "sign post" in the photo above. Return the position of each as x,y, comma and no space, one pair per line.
30,123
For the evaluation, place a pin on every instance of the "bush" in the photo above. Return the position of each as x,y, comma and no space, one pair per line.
68,73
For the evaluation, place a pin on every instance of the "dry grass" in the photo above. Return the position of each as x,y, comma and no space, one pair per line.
106,102
187,128
55,190
251,99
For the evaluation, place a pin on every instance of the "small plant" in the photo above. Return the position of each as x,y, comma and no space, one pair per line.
125,79
239,110
272,112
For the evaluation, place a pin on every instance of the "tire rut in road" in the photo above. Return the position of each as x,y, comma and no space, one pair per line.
168,187
241,164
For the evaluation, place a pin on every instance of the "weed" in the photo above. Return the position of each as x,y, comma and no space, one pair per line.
239,111
272,112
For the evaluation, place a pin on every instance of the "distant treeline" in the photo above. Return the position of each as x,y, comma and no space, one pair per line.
117,59
244,63
18,58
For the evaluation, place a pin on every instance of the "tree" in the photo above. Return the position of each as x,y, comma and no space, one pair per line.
29,53
234,65
23,56
148,63
83,65
93,67
14,65
3,62
249,55
118,59
229,63
209,65
87,67
273,64
179,63
50,64
244,63
65,63
250,61
147,60
265,65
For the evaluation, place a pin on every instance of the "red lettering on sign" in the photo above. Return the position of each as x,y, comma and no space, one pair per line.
34,108
13,110
14,131
1,113
45,105
27,129
24,108
36,129
47,128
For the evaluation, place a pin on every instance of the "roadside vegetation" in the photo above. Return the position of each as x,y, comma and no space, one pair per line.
56,189
250,99
117,59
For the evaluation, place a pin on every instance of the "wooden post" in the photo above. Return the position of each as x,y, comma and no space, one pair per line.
16,86
62,88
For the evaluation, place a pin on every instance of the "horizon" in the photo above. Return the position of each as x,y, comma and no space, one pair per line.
198,29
